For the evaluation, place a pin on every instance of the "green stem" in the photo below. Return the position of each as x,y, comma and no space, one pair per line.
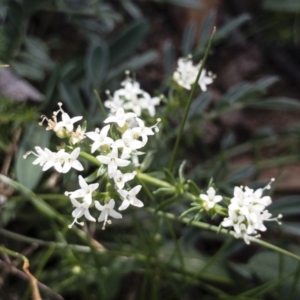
189,102
223,231
154,181
90,158
87,249
100,103
30,240
13,253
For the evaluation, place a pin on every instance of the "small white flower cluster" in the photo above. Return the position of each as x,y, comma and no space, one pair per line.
186,74
246,212
210,199
116,145
132,98
62,161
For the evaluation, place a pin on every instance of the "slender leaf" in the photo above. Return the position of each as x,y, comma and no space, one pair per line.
128,40
28,174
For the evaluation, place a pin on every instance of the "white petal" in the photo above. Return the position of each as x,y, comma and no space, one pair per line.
94,136
47,165
89,216
115,214
78,212
137,203
58,167
111,204
104,159
110,119
102,215
135,190
66,168
122,162
75,202
124,205
99,206
104,131
75,153
77,165
112,168
76,119
95,146
82,183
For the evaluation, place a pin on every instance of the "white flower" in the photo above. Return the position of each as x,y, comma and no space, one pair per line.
237,222
205,80
246,212
128,143
85,191
186,74
45,158
129,197
63,161
59,159
72,162
113,162
120,179
107,210
132,98
100,139
210,198
66,122
150,104
120,117
143,131
80,210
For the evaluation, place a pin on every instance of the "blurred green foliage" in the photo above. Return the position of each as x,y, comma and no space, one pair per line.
68,49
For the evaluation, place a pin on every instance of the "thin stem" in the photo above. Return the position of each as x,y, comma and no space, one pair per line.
137,256
30,240
154,181
100,103
14,254
189,102
33,280
223,231
90,158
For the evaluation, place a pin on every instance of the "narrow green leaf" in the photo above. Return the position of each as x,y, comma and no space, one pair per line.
287,206
278,103
206,28
38,202
194,188
169,176
96,62
169,57
188,39
70,96
291,6
185,3
230,26
266,266
181,172
147,161
128,40
28,174
241,174
133,64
